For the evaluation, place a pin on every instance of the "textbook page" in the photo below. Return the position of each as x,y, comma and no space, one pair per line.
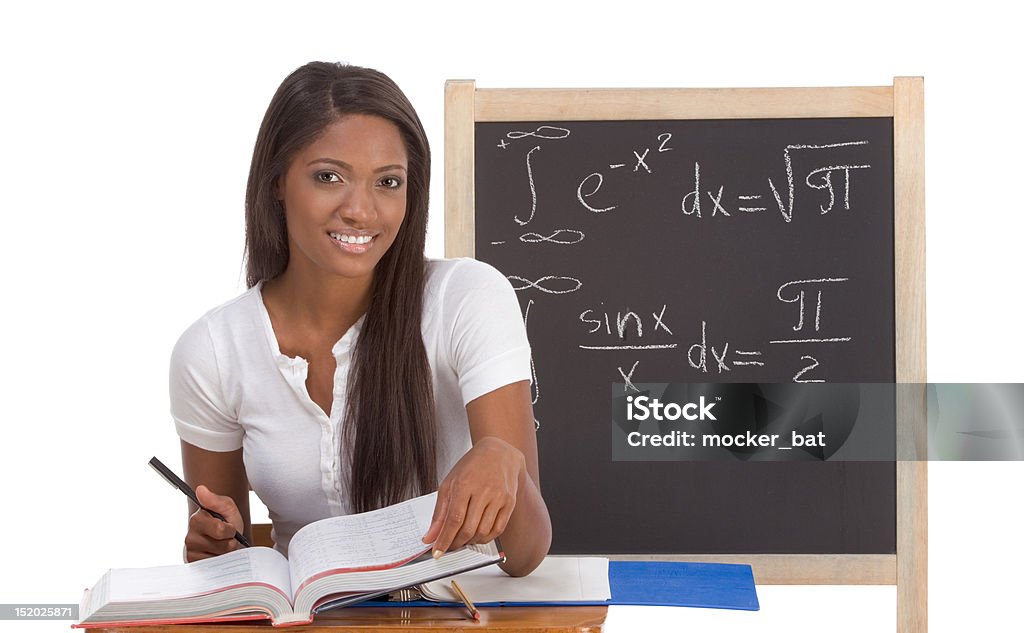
378,539
556,579
243,566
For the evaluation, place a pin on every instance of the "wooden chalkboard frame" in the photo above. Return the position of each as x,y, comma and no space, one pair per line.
465,105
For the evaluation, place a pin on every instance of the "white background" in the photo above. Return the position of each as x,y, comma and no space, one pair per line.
125,140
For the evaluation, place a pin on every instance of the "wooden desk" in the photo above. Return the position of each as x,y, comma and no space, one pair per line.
420,619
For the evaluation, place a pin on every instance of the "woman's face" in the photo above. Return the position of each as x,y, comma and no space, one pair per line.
344,197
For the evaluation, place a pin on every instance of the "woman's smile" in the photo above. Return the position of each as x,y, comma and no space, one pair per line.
352,243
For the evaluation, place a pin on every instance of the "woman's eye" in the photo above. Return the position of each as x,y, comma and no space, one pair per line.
327,177
391,182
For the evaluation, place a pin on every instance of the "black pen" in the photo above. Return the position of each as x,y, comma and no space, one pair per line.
176,481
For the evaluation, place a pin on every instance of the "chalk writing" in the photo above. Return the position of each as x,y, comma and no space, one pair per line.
626,322
633,191
664,137
535,387
632,347
533,189
550,284
746,363
550,132
799,298
814,363
751,209
628,378
702,348
534,383
717,201
694,208
659,320
580,195
560,236
640,161
786,209
837,339
826,183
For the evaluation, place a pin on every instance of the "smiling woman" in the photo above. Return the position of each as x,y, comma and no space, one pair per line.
354,373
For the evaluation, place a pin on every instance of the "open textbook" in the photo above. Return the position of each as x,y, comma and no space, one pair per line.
340,560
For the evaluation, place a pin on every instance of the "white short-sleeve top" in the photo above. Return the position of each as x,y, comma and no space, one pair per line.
231,387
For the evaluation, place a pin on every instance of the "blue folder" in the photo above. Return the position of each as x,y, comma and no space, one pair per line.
671,584
712,585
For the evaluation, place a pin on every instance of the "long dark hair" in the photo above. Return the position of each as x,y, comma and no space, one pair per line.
390,436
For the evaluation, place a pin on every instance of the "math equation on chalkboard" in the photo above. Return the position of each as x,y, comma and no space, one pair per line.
701,251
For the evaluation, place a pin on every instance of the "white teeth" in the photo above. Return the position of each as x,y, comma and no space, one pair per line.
352,239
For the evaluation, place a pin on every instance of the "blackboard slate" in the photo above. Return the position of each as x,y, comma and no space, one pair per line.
709,277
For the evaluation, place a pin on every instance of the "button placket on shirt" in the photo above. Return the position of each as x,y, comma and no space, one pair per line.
331,447
296,371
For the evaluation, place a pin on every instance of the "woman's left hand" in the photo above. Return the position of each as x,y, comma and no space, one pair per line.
476,499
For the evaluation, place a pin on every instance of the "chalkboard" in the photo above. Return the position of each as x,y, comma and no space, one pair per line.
696,251
702,243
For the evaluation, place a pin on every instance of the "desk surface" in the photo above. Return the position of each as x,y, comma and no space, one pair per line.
419,619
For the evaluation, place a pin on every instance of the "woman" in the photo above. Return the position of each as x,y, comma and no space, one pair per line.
354,374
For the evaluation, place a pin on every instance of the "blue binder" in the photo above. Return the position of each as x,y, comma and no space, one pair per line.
711,585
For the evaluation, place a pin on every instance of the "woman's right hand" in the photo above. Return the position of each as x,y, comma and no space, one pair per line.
208,536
